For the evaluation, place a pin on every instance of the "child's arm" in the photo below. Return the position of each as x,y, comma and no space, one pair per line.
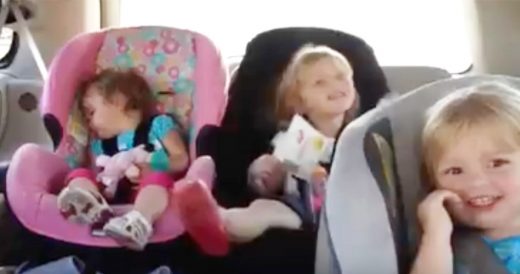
172,153
435,255
266,175
177,151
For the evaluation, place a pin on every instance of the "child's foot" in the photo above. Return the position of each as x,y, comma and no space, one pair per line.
203,168
131,230
199,212
246,224
82,206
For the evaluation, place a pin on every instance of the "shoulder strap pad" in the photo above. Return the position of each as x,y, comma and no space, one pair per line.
142,132
472,255
110,146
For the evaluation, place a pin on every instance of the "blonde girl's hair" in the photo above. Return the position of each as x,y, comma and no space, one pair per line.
490,108
287,101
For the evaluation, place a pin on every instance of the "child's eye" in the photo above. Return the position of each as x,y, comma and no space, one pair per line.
319,82
453,171
499,163
88,113
341,76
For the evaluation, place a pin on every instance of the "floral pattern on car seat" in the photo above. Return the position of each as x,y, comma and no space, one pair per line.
164,56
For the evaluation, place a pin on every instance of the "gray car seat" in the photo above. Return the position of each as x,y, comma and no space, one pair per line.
369,221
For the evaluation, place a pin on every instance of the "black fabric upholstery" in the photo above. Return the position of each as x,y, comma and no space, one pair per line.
3,176
54,128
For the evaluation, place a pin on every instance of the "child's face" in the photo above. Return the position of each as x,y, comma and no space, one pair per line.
326,88
485,173
103,116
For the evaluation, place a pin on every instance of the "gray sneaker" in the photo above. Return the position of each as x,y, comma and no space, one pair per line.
131,230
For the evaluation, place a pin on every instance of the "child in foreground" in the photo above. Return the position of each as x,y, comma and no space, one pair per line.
471,155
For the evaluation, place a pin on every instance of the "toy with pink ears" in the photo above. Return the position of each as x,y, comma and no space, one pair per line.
121,165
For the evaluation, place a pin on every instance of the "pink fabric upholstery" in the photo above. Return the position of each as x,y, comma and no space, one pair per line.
36,175
74,63
208,105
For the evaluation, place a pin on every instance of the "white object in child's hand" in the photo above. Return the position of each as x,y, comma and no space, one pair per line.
302,147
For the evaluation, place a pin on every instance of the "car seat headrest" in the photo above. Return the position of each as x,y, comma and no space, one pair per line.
267,56
165,57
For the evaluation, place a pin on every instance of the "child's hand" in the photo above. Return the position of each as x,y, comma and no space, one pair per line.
140,155
435,219
318,179
136,172
266,175
319,175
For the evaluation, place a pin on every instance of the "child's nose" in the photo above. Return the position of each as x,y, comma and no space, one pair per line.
477,179
91,123
341,86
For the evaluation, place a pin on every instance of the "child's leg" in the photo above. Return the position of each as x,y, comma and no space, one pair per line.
198,210
246,224
135,228
151,202
80,201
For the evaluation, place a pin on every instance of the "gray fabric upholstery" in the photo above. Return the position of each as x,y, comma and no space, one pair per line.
403,79
357,210
327,261
22,127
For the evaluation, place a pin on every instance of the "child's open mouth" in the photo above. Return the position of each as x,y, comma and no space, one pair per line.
336,95
483,201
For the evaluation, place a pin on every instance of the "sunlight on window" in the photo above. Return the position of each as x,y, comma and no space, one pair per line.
6,41
401,32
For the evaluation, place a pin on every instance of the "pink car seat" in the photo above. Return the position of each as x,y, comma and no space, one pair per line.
189,80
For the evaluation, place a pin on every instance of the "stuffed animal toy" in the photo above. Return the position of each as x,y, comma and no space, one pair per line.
120,165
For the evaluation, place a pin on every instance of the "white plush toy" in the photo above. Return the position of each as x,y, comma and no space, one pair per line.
301,148
120,165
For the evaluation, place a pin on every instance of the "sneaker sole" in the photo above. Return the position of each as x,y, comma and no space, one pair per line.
81,208
198,211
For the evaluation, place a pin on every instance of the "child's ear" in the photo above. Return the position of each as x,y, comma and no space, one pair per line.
299,107
299,104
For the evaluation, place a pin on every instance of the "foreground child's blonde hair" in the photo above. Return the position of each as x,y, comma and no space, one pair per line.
288,100
492,108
